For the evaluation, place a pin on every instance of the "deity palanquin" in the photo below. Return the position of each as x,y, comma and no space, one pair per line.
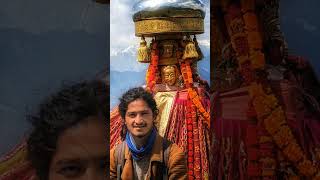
181,95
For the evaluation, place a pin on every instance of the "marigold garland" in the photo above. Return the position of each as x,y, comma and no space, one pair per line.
153,67
248,47
193,104
277,126
265,105
240,40
187,76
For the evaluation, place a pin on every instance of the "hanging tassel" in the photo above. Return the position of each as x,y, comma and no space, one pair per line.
143,52
190,51
197,48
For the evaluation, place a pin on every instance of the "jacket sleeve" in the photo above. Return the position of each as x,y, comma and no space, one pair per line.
177,164
113,166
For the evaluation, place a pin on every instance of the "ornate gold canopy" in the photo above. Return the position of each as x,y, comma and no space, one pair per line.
169,20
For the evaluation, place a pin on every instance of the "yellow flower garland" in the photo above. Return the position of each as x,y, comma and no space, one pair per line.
276,125
266,106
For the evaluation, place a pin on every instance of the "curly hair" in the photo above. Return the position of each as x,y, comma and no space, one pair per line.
132,95
70,106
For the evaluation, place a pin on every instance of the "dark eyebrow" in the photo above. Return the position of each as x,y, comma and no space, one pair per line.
78,160
131,112
68,161
146,110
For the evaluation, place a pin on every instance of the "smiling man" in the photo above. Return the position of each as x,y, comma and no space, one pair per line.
144,154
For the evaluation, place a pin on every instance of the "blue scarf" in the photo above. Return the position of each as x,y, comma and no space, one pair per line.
138,154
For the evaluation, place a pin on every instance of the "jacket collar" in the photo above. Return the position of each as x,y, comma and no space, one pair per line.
156,152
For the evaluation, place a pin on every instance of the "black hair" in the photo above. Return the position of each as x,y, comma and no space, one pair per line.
132,95
70,106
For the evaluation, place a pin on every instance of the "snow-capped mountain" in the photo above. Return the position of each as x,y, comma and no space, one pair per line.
130,50
124,59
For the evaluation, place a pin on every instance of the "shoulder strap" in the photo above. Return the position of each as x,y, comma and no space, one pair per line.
166,151
119,152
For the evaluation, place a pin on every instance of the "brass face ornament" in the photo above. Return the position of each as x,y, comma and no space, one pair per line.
168,75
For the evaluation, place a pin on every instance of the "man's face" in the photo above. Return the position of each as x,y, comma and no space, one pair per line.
81,152
139,118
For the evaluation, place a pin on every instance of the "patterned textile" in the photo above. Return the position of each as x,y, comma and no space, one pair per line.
177,132
15,166
115,127
231,154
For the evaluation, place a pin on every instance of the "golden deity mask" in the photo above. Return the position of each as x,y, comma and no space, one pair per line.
169,75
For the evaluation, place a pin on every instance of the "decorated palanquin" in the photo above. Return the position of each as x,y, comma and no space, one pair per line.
265,105
181,95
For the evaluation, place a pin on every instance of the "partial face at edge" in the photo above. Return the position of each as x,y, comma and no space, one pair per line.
81,152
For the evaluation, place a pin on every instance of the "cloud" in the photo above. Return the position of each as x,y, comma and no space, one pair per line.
204,42
122,37
306,25
121,24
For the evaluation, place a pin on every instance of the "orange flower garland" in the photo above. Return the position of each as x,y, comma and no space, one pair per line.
153,67
260,154
196,101
193,104
246,40
193,95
